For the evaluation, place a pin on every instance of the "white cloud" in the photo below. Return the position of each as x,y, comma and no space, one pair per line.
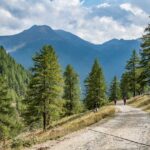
137,16
105,28
133,9
6,16
103,5
16,47
72,16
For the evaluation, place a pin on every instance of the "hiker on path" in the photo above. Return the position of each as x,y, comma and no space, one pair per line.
124,100
115,101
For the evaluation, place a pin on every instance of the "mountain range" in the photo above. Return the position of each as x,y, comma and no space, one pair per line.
71,50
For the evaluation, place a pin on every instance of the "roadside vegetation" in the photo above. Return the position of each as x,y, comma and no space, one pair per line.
61,128
142,102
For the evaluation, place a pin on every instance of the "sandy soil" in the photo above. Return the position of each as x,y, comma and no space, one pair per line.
131,123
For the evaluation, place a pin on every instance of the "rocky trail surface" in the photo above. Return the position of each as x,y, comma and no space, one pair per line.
128,130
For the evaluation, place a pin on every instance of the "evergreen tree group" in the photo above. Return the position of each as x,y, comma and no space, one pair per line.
16,77
46,94
51,96
8,119
132,68
136,78
132,80
145,58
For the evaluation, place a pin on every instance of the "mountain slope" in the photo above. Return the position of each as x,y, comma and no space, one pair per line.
70,49
17,77
115,53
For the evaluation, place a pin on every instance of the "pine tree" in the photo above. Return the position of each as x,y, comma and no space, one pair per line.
145,58
7,112
132,68
44,99
114,90
72,91
95,87
124,85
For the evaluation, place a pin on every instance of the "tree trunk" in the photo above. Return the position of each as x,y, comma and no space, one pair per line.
134,93
44,121
4,144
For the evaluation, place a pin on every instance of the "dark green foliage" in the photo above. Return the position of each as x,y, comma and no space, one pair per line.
8,119
114,90
95,87
17,77
44,98
72,91
145,58
133,71
125,86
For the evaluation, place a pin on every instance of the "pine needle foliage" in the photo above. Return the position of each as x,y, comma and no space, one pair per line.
8,121
44,98
115,93
95,87
72,91
133,71
145,58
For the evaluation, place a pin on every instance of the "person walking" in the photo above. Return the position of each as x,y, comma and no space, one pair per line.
124,100
115,101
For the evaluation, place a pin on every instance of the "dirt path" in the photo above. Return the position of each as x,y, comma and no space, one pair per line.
131,123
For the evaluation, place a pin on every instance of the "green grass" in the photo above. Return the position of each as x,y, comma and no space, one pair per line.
142,102
63,127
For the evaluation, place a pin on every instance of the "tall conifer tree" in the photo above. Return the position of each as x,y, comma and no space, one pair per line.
115,90
125,85
132,68
145,58
44,99
95,87
72,91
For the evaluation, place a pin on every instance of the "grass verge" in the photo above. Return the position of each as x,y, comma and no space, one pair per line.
64,127
142,102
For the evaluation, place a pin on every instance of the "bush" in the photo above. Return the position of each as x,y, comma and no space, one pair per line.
17,143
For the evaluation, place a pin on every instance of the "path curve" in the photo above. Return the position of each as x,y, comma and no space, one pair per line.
130,123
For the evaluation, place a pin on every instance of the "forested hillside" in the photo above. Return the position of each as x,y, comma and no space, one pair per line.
16,76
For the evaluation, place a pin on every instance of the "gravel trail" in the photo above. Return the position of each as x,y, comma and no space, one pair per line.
128,130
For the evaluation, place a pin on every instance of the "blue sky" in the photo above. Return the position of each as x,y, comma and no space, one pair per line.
91,2
94,20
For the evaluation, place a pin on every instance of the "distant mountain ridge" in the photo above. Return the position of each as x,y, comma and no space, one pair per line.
71,50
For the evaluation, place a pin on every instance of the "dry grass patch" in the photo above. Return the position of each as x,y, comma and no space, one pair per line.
67,125
142,102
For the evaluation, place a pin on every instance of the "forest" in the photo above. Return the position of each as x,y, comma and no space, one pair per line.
34,99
